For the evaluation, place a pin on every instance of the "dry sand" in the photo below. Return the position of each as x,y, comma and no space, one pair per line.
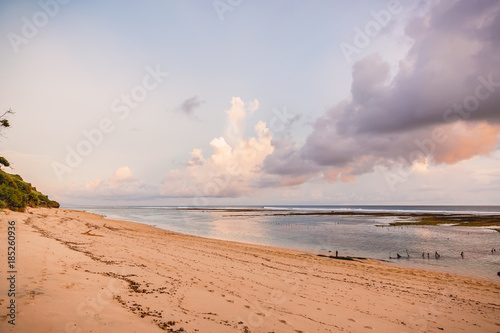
129,277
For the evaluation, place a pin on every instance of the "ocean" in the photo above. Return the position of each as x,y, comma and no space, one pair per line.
350,235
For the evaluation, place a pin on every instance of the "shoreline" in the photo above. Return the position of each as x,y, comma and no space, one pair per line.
449,262
148,278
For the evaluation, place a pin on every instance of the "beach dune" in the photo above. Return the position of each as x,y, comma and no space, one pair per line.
80,272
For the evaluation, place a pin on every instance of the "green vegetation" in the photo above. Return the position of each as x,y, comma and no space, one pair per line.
464,220
16,194
4,162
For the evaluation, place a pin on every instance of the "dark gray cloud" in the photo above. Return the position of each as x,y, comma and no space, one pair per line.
288,160
443,105
190,105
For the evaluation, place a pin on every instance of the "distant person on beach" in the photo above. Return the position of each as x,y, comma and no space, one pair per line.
436,255
462,254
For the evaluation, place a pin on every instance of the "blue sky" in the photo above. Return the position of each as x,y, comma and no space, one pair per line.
260,105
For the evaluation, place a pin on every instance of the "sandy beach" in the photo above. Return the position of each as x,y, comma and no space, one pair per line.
80,272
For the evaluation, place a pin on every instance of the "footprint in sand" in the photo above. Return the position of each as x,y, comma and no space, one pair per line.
368,327
69,286
282,321
351,320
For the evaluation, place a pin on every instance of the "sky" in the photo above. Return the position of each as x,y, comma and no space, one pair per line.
237,102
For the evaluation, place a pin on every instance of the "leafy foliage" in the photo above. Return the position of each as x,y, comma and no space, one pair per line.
16,194
4,162
4,122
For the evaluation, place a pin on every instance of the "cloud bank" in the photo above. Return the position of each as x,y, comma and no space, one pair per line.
441,107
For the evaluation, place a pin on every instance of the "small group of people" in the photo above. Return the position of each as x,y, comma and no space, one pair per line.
436,255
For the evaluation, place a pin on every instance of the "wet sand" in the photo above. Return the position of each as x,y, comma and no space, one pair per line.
79,272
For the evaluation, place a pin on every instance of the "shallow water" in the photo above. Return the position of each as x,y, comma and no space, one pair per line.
350,235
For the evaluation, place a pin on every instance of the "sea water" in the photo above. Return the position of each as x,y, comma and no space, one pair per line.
350,235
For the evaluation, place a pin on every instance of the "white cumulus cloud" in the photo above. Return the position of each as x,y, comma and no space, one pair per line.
234,163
